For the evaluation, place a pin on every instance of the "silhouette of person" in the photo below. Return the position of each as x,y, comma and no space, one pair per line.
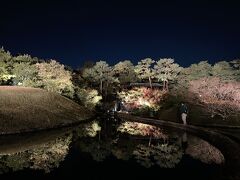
184,113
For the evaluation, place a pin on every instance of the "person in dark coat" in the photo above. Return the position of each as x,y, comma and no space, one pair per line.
184,113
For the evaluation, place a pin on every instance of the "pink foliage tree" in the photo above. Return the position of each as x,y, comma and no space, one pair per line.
216,96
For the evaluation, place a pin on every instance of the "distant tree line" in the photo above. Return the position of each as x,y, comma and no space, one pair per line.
102,76
102,80
23,70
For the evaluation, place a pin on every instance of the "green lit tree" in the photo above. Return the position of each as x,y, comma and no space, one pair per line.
166,70
102,75
197,71
25,59
236,66
223,70
25,74
53,77
5,74
124,71
144,70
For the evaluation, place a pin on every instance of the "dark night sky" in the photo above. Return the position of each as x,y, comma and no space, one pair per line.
75,31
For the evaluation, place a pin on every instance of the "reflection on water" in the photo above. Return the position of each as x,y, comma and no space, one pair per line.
147,145
164,155
165,150
44,157
203,151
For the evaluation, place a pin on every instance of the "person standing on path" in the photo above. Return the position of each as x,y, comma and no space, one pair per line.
184,113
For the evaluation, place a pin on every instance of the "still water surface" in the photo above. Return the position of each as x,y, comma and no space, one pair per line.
107,149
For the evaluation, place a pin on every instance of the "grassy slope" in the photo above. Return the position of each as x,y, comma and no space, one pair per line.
24,109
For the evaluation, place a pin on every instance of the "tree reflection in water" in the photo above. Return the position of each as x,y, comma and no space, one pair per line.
44,157
166,150
203,151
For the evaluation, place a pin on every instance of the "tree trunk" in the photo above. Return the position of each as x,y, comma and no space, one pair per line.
150,82
106,91
101,86
166,85
99,135
150,139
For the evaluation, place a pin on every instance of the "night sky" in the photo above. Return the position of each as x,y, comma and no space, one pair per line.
76,31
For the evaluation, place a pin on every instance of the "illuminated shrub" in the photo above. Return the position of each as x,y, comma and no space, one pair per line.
140,97
88,97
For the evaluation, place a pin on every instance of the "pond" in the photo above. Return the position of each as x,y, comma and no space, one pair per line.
109,148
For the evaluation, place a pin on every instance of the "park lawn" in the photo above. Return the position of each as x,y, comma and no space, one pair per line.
27,109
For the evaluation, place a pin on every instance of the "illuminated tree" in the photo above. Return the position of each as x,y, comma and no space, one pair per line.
124,71
202,69
25,74
144,70
18,69
21,59
54,78
166,70
100,74
5,57
236,63
223,70
25,59
236,66
195,71
216,96
4,74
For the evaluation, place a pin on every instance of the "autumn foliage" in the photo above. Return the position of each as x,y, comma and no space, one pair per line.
216,96
140,97
136,128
